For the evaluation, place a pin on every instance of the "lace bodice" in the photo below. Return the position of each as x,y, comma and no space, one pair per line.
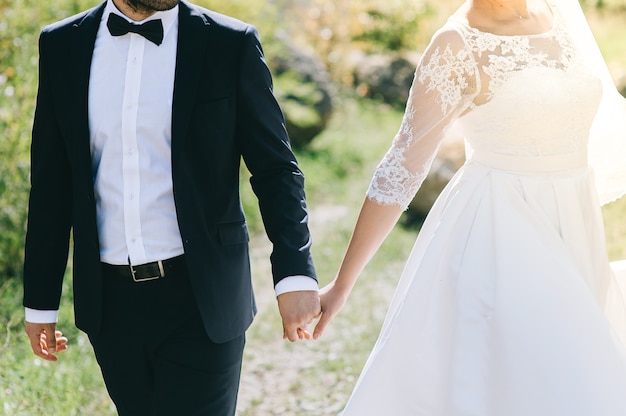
516,95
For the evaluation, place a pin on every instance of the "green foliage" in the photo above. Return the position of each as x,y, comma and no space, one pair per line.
391,29
299,99
17,88
263,14
289,85
336,28
339,163
604,4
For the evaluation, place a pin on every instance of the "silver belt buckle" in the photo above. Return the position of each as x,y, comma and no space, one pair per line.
148,278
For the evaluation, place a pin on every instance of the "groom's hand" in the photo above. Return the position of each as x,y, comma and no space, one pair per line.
45,340
298,309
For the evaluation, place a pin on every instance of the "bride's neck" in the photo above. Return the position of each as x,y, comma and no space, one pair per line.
501,9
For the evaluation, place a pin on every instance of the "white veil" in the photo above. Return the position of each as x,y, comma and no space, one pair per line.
607,145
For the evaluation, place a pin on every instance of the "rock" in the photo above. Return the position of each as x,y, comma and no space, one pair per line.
385,77
450,158
303,88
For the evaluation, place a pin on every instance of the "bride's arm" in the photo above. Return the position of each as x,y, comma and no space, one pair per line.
444,86
374,223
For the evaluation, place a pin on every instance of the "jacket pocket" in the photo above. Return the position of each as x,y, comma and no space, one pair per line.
233,233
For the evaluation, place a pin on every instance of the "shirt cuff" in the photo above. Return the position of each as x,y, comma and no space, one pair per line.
36,316
295,284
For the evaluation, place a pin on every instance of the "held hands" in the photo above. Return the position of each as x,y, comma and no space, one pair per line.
45,340
298,309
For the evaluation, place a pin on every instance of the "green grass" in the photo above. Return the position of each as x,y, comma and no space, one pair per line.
31,386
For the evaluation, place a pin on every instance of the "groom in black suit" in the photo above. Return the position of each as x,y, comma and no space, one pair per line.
144,110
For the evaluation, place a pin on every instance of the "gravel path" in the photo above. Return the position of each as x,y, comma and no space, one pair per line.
281,378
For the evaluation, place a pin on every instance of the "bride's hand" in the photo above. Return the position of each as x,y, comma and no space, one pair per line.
332,299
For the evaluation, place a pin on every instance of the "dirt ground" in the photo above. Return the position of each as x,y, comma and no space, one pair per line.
278,377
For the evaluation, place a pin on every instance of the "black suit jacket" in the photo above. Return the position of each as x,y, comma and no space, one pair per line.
223,111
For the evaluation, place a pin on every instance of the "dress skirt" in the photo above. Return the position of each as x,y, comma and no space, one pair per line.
507,305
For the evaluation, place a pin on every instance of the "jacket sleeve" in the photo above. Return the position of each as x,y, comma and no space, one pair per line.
276,178
50,201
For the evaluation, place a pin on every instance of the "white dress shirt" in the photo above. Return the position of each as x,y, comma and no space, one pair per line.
131,163
130,113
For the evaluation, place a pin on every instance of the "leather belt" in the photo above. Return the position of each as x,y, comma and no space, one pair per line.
148,271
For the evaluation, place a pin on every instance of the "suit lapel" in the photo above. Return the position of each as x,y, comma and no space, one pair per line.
190,58
83,41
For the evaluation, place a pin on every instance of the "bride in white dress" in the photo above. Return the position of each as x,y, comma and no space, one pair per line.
507,305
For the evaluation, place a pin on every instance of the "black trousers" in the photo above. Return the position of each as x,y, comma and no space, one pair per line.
155,356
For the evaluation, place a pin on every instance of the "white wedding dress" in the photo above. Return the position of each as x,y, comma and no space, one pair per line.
507,305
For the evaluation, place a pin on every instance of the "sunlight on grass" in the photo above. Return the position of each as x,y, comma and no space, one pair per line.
31,386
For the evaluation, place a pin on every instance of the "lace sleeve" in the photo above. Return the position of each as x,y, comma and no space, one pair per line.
445,83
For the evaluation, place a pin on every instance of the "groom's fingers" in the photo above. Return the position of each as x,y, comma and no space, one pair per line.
290,330
296,333
304,334
291,334
297,310
43,339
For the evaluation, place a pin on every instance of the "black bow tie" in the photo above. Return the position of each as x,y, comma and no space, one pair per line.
151,30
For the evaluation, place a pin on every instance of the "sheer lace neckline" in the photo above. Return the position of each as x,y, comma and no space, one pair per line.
549,32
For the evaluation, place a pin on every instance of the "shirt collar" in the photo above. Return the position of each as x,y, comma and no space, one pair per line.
168,17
